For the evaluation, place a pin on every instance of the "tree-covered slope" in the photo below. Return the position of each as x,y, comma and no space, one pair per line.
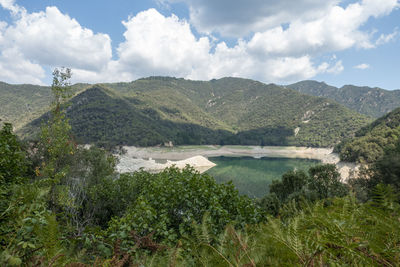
254,108
226,111
98,115
374,102
20,104
370,142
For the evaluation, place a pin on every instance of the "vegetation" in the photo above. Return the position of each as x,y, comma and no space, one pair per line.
182,218
156,110
33,101
384,171
374,102
63,205
13,164
322,182
370,142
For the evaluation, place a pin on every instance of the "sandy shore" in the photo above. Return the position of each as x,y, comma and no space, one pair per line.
157,158
132,164
184,152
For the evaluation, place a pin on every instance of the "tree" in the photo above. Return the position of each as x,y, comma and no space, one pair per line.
56,143
387,170
324,180
171,203
291,182
13,163
89,168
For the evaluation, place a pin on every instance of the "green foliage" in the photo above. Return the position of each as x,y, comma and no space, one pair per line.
343,233
20,104
385,171
90,168
384,197
271,204
325,181
56,146
13,163
111,197
173,201
322,182
292,182
371,141
22,224
378,176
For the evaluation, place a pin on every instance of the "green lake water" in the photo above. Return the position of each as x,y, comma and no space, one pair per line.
253,176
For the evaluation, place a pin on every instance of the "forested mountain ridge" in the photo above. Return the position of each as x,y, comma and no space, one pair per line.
19,104
154,110
374,102
371,141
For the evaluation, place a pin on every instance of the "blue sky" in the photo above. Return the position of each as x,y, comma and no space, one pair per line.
339,42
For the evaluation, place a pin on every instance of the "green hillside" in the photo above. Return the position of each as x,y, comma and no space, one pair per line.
155,110
19,104
374,102
371,141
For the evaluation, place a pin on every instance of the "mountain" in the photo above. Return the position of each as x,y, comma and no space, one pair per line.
19,104
371,141
374,102
155,110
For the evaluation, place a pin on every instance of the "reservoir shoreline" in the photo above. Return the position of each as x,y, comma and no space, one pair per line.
155,159
325,155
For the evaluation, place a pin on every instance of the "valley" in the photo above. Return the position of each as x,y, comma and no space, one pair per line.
257,155
228,111
188,133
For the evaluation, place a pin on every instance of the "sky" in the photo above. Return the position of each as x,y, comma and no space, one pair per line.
338,42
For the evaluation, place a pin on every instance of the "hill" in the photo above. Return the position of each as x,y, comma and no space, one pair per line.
155,110
371,141
374,102
19,104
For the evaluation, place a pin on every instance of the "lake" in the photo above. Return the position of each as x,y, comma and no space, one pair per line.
252,176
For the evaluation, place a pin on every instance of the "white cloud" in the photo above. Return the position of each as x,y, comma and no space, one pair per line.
386,38
162,45
338,30
15,68
166,45
362,66
11,6
50,38
336,69
159,45
238,17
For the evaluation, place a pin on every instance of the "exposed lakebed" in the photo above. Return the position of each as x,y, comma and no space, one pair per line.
251,168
